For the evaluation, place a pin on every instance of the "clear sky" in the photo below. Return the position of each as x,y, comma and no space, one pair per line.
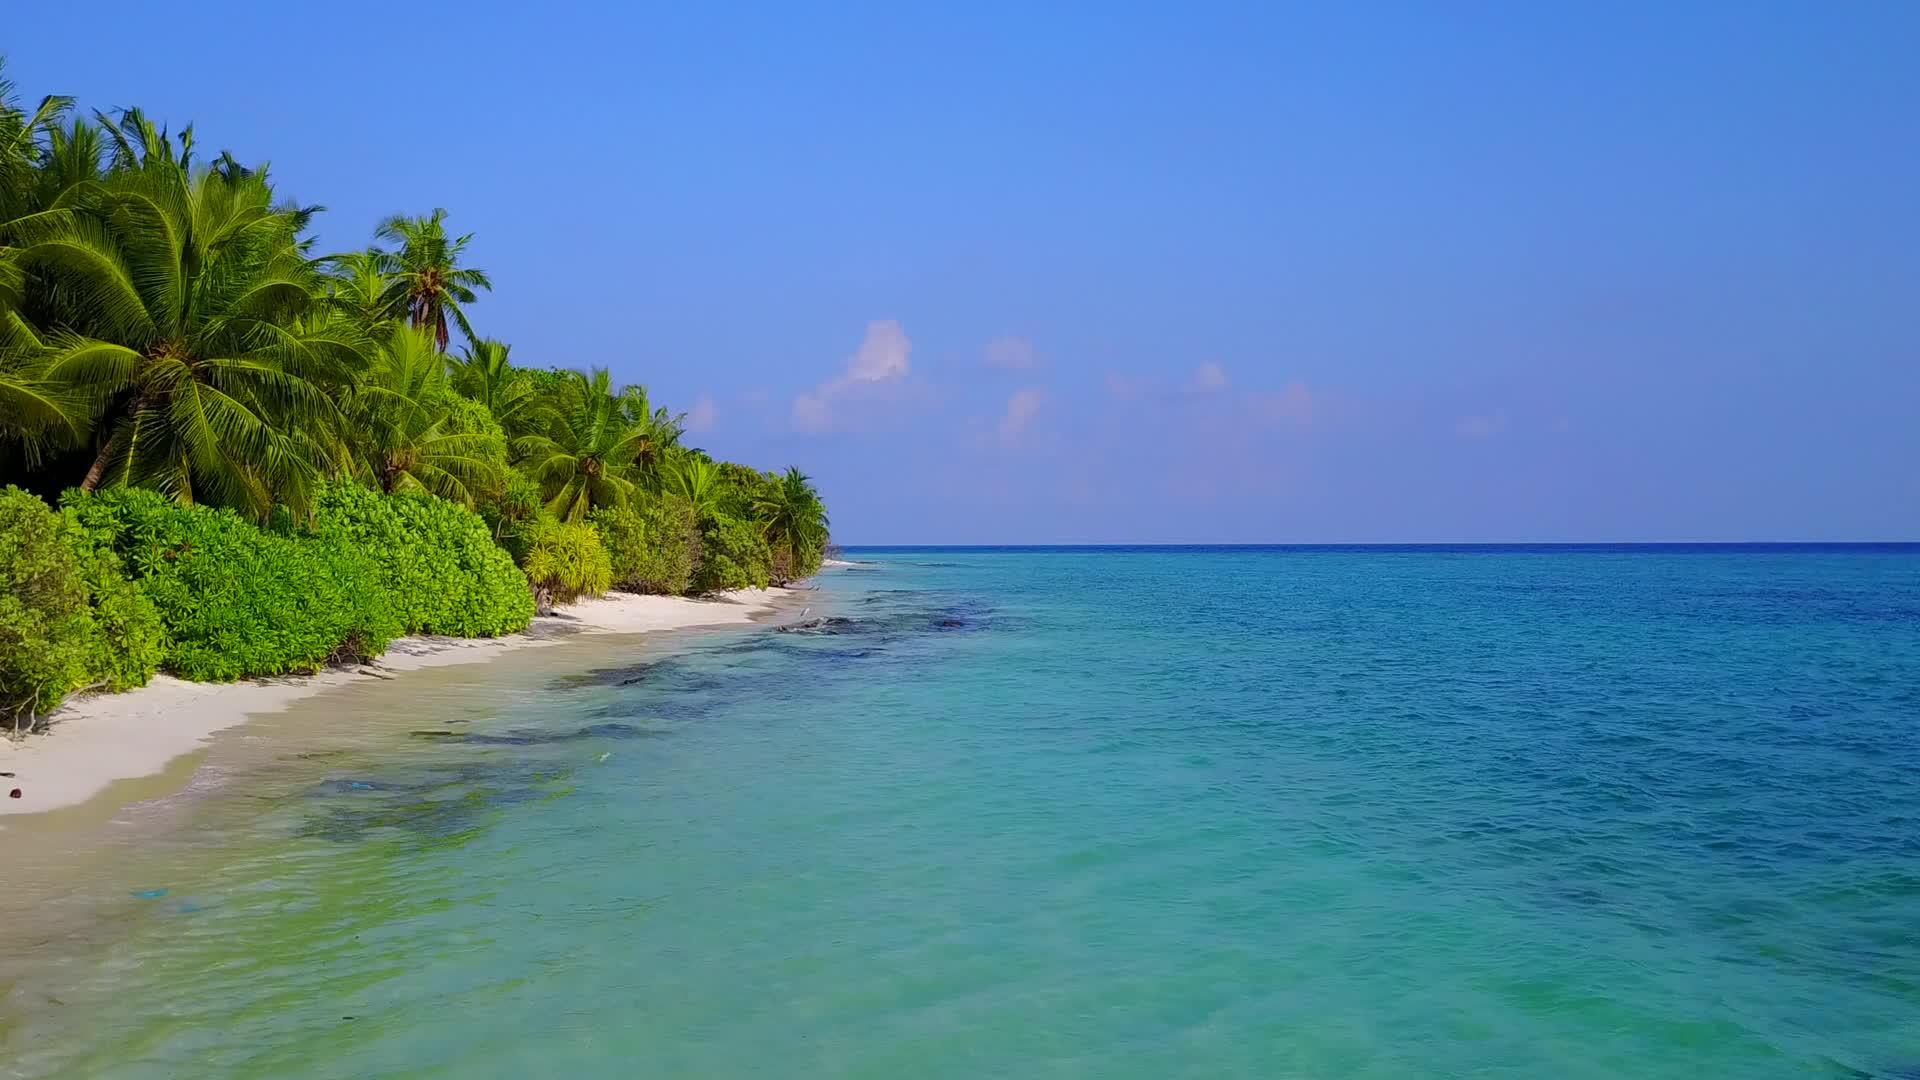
1136,273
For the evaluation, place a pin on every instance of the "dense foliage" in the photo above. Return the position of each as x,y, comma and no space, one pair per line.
68,617
238,600
268,456
565,560
794,522
733,555
408,430
652,545
599,446
437,561
174,301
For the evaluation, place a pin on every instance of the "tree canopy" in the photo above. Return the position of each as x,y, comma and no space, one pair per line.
166,325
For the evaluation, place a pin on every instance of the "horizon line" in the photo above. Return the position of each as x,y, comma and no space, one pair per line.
1399,544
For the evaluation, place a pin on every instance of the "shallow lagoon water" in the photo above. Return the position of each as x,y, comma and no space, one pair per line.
1513,813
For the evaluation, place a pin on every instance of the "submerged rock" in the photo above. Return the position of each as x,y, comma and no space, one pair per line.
535,736
335,787
611,730
827,624
437,806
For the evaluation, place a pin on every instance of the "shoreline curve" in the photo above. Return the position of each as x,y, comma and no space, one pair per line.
98,740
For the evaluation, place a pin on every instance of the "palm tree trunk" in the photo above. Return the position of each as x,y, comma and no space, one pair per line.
100,460
99,466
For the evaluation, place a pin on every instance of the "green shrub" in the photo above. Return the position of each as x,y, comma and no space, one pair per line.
238,600
47,633
438,563
733,555
511,513
68,618
718,573
651,546
565,561
741,486
132,632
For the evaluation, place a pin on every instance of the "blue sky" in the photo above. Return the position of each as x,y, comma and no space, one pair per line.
1131,273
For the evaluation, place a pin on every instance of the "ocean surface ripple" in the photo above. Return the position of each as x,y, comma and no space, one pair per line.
1524,813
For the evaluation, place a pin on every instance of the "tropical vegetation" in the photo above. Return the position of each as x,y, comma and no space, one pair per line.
69,618
224,454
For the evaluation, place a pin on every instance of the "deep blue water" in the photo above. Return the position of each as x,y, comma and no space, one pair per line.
1265,812
1641,548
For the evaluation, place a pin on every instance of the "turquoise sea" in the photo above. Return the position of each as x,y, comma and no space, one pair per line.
1474,812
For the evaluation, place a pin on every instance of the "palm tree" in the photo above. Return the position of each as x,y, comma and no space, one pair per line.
696,480
359,288
657,433
138,144
73,156
36,413
486,375
23,142
181,301
586,459
23,147
429,282
408,430
794,521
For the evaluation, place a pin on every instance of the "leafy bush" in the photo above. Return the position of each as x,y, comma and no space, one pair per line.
237,600
733,555
741,486
651,545
47,633
68,619
565,561
438,563
133,635
510,513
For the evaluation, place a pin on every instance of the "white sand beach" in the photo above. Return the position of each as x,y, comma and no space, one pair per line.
98,739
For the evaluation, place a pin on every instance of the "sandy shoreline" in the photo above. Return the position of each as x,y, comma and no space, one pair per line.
103,738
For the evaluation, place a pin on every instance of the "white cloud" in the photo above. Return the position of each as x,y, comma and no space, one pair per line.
1009,352
1022,407
811,413
883,353
1208,378
883,357
1481,427
1293,405
704,415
